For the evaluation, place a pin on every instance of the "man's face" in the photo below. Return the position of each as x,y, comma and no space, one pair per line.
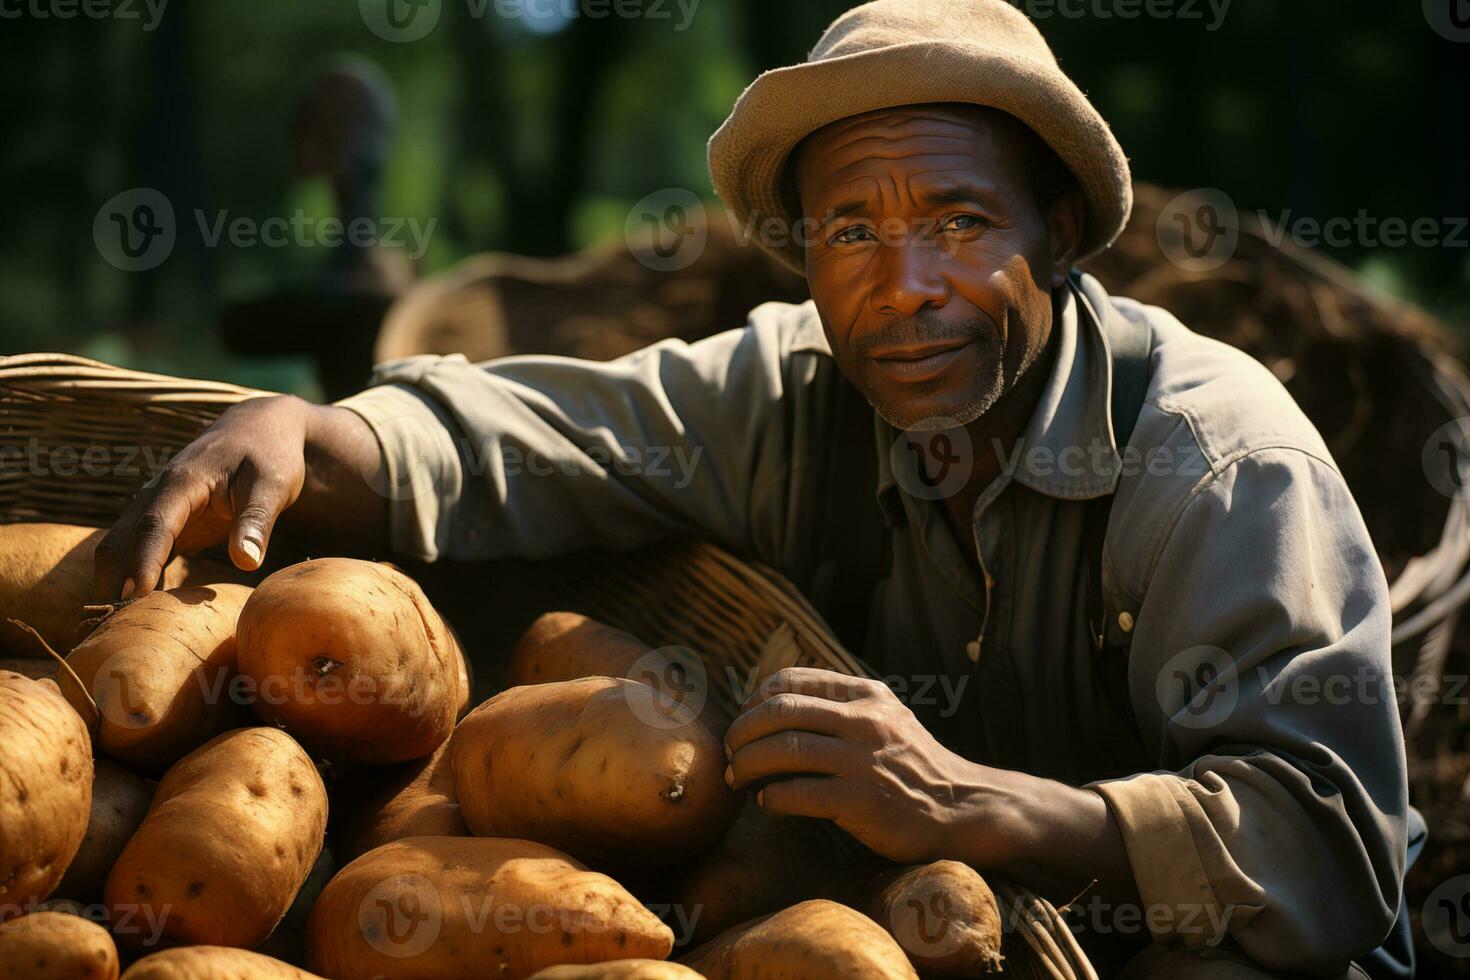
932,263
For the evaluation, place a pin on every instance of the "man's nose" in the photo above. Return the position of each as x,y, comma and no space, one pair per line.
909,276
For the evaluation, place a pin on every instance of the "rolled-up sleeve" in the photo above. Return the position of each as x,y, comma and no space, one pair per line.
532,457
1260,672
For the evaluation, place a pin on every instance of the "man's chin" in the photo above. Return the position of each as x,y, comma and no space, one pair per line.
932,415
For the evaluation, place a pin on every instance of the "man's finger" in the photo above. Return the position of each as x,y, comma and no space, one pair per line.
788,712
257,500
150,540
824,797
814,682
788,754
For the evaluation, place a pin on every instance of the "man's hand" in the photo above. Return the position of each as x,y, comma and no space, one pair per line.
821,744
258,459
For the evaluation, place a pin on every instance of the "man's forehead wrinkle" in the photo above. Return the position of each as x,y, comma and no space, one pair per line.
867,161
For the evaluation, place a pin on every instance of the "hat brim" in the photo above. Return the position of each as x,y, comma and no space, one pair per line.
785,105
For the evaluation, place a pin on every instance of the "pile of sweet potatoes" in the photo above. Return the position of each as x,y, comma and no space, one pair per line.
286,779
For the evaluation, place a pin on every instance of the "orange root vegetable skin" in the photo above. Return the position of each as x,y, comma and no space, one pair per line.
427,908
352,660
45,790
595,768
162,672
234,830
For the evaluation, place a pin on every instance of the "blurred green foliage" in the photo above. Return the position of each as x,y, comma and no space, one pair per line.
538,135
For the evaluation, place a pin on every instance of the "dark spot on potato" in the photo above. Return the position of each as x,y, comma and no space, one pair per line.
196,888
622,938
142,891
22,794
566,938
257,789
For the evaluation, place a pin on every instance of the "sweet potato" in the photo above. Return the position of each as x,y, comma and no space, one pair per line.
233,832
944,916
45,789
432,907
814,939
120,800
620,970
160,670
351,659
46,576
287,941
56,946
563,646
412,799
213,963
767,863
590,766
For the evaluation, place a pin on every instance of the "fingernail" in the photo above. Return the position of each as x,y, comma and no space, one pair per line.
129,587
251,549
760,798
729,776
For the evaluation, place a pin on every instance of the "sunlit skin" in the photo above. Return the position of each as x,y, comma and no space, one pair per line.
933,269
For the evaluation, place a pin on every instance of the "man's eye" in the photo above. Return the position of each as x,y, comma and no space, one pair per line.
850,236
963,222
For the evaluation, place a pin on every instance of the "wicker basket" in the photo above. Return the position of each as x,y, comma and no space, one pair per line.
78,438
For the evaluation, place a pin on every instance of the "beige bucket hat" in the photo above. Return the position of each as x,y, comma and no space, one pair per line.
906,52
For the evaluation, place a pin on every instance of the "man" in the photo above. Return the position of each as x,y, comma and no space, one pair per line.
1136,629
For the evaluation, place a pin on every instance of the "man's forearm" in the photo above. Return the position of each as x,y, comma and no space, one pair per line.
343,507
1056,840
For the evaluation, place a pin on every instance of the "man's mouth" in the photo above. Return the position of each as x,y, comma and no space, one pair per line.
918,362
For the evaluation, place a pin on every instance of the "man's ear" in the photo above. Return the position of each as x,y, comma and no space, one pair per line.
1064,229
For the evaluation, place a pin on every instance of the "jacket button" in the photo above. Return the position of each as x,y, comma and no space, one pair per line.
1125,621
